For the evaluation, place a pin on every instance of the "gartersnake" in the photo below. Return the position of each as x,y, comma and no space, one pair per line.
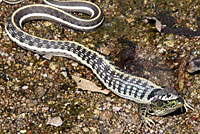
152,99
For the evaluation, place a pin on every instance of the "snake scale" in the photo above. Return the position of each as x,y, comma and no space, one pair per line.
151,98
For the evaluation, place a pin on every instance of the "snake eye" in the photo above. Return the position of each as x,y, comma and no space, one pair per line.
168,95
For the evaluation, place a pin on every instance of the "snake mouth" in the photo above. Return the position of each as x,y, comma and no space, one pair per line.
165,107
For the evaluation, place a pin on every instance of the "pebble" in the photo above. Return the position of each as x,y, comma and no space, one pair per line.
74,64
161,131
108,99
152,131
91,45
16,88
104,50
23,131
25,87
64,74
161,122
161,50
116,109
40,126
29,68
37,56
40,91
44,62
169,43
85,129
47,23
197,128
56,121
96,111
44,109
44,75
9,83
53,66
129,106
118,130
93,129
21,116
105,115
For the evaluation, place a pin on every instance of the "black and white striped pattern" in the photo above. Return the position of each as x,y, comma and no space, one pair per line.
138,89
124,85
12,1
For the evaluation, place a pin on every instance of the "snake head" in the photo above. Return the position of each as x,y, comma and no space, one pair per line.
165,101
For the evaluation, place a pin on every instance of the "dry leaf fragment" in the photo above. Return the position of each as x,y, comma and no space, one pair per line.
88,85
118,130
159,25
194,65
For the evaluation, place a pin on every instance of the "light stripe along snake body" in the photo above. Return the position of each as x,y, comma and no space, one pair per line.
152,99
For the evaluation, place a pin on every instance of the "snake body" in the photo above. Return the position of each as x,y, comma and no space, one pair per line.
152,99
13,1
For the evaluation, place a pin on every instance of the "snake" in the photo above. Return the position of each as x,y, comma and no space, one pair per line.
152,99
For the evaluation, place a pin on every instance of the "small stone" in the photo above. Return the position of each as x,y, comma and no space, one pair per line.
108,99
96,111
104,50
105,115
117,131
44,75
53,66
43,63
161,131
85,129
37,56
93,129
161,122
116,109
40,91
169,43
56,121
44,109
129,106
51,102
9,83
91,45
35,102
74,64
25,87
40,126
47,23
161,50
105,36
16,88
23,131
64,74
29,68
152,131
22,115
197,128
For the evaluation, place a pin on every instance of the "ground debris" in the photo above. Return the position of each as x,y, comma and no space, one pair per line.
88,85
55,121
